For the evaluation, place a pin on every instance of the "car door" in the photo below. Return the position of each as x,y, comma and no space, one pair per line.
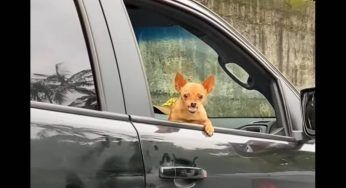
253,108
81,148
182,156
80,134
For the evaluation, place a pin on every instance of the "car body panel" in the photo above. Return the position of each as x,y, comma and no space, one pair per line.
72,149
230,160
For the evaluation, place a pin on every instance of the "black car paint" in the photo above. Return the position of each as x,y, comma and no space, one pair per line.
72,149
230,160
82,148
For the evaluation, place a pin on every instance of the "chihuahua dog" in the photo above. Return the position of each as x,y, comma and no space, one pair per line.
189,107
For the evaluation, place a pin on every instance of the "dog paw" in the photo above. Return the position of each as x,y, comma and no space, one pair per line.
209,130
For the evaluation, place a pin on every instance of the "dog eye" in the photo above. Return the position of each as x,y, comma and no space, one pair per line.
200,96
185,96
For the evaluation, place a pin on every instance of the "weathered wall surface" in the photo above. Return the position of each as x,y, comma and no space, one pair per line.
283,30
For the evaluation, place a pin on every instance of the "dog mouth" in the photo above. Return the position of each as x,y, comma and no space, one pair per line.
192,109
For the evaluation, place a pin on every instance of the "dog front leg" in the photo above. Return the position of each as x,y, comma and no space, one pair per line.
208,128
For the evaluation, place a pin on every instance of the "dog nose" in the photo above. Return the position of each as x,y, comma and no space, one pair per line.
193,104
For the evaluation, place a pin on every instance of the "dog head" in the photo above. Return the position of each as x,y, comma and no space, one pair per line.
193,95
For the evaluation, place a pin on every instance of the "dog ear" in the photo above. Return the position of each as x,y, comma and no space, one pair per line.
179,81
209,83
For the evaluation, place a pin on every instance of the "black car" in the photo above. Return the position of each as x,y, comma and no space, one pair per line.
101,70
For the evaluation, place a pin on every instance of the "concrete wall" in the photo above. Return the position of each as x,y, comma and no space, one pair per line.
283,30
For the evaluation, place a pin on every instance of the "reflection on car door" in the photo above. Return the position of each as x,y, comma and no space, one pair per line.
93,149
229,159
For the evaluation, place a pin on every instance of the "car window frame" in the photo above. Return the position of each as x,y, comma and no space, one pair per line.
282,116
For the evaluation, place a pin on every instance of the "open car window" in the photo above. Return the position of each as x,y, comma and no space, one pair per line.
242,97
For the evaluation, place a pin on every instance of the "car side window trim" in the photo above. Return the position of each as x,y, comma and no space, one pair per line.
154,121
284,112
136,93
79,111
104,58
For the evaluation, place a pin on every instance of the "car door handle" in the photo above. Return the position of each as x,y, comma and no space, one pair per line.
182,172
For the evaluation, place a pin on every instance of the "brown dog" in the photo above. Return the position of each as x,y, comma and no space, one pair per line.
189,106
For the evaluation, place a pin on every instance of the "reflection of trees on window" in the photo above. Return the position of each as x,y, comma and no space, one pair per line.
62,88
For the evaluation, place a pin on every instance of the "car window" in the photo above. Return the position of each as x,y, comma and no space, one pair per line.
61,70
168,46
